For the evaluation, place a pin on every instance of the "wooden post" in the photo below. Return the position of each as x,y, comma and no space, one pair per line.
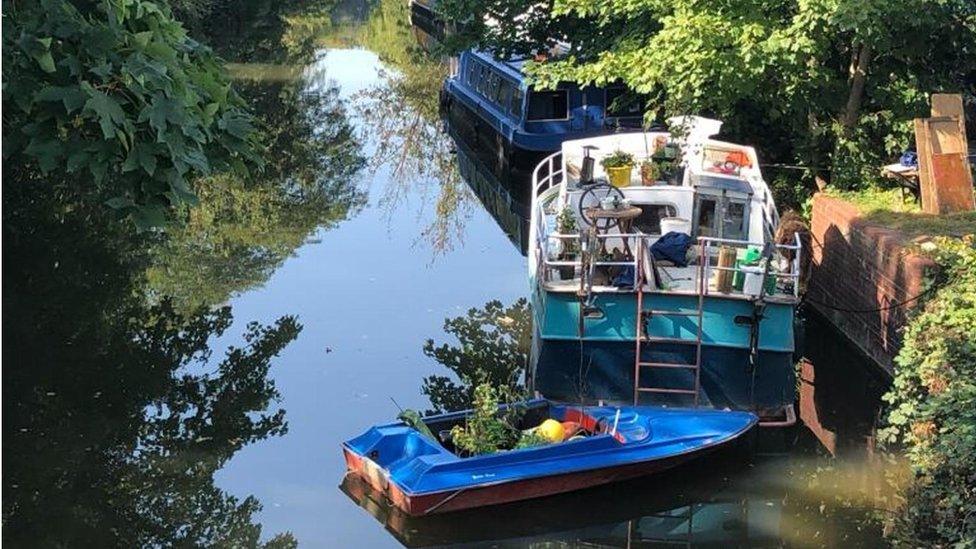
943,165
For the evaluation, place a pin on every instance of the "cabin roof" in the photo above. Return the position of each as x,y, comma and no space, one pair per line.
512,67
721,182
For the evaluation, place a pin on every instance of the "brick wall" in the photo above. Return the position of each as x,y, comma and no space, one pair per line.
861,266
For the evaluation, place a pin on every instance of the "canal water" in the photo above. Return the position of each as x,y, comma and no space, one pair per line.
128,422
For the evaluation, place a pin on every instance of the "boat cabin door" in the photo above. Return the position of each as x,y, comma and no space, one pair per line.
721,214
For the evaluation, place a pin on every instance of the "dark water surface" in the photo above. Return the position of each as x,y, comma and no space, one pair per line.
125,424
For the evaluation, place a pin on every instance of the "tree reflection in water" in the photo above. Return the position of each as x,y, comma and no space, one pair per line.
492,345
401,120
116,413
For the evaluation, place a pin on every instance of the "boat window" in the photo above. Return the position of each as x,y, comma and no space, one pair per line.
706,217
734,221
515,107
548,105
649,221
483,75
493,83
505,89
621,102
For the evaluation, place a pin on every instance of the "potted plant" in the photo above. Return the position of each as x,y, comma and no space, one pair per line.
618,166
670,172
650,172
566,224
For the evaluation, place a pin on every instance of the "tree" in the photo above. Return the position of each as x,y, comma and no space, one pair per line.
113,97
833,84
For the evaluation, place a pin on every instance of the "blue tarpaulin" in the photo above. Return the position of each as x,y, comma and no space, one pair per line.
672,247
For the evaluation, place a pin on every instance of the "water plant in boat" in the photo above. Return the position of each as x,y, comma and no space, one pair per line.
490,427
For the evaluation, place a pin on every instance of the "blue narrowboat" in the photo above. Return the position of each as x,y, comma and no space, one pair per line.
526,119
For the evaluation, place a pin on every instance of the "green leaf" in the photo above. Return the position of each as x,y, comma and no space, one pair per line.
149,217
76,160
108,110
236,124
163,110
45,61
142,38
72,97
47,153
119,202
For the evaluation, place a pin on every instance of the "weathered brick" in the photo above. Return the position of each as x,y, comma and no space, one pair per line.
863,266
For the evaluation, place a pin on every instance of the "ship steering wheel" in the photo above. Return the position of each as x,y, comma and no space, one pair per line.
593,197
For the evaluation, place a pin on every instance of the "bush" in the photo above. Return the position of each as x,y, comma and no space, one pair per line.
933,406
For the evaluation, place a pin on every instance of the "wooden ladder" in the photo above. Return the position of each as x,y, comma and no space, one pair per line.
643,336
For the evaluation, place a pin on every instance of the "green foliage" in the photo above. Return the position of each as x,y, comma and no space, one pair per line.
933,406
566,220
493,347
781,74
531,439
115,98
415,420
490,428
617,159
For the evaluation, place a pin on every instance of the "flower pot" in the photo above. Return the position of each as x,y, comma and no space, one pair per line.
649,175
619,176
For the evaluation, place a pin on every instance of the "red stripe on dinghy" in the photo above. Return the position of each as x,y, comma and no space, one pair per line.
537,487
507,492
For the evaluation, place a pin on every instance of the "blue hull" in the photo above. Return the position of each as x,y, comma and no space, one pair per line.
421,476
607,374
600,366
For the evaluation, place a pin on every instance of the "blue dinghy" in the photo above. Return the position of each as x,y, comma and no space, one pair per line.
423,476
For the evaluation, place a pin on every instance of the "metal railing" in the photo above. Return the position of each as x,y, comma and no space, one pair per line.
553,165
709,244
637,242
549,173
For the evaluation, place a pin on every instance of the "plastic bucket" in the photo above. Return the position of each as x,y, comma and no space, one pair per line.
752,282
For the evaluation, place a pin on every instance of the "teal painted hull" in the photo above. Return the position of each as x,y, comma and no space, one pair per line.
600,365
558,318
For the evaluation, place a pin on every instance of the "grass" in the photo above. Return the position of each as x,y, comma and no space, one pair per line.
887,207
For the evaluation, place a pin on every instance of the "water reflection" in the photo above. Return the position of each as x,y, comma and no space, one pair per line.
492,345
115,413
772,502
400,119
503,190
